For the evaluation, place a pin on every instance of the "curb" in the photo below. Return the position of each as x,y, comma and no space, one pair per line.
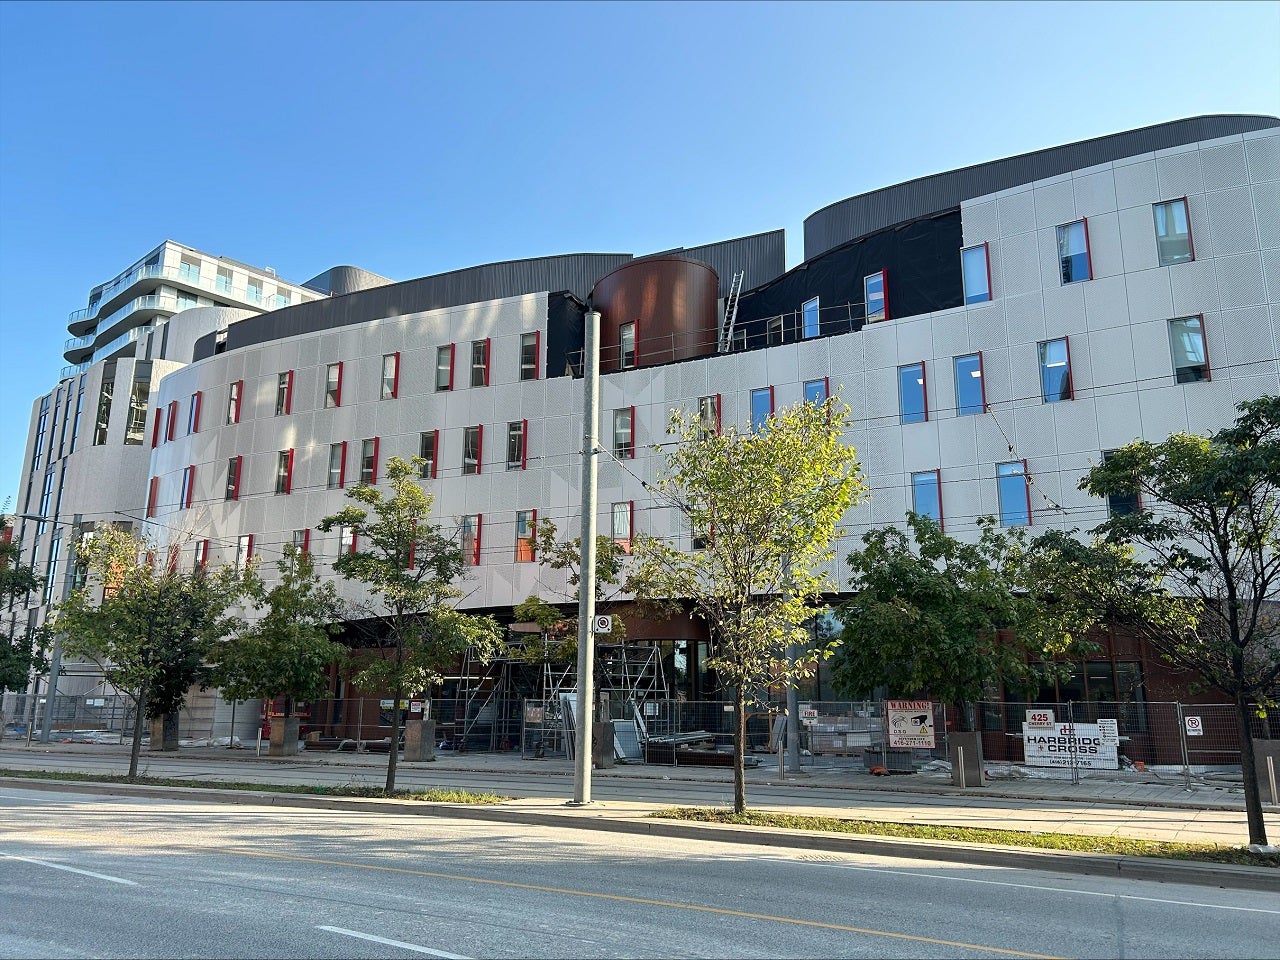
973,854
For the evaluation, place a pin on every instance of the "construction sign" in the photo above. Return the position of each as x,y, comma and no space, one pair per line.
910,723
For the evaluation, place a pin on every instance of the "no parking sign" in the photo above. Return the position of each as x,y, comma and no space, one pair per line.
1195,728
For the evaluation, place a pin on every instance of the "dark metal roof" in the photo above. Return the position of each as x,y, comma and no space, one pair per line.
848,219
761,256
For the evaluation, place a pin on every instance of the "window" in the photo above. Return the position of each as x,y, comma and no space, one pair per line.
1173,232
1015,495
709,414
284,471
346,539
187,300
369,460
444,368
75,424
971,393
135,430
809,313
472,446
761,408
51,567
188,486
1122,504
282,298
244,550
976,268
390,376
627,345
234,392
1073,252
46,494
471,540
624,436
153,493
223,282
333,385
620,524
816,391
233,478
428,447
517,430
193,414
284,394
337,465
739,338
926,495
171,428
530,347
913,401
189,270
773,335
201,556
480,363
1186,342
40,429
253,290
874,290
104,409
1055,371
301,541
526,528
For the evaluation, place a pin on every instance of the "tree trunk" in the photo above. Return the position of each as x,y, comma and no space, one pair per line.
1252,795
140,707
393,753
739,749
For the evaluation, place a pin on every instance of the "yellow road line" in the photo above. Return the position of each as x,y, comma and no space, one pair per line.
511,884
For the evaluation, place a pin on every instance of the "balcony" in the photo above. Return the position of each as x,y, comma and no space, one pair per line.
74,370
108,350
78,348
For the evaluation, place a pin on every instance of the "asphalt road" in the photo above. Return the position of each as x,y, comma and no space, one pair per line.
117,877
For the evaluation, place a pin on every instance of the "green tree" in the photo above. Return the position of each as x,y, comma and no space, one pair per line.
20,648
288,650
409,567
933,615
153,628
766,506
558,637
1206,528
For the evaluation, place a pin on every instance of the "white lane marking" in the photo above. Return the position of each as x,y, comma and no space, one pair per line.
1038,887
394,943
59,866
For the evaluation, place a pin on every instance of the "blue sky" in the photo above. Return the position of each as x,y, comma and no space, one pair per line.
411,139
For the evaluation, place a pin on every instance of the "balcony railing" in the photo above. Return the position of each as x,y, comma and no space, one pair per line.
129,336
75,343
74,370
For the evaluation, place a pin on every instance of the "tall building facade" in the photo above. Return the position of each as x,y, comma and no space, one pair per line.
995,330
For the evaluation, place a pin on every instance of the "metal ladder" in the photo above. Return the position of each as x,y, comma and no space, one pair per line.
731,312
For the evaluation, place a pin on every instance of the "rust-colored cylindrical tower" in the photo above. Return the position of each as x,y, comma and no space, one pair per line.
673,302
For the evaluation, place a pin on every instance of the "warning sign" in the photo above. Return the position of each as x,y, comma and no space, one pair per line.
910,723
1195,728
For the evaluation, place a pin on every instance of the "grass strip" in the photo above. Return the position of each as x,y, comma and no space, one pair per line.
1116,846
337,790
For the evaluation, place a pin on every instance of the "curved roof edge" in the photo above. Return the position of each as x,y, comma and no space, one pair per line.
865,213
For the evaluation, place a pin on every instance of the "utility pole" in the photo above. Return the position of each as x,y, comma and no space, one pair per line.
587,571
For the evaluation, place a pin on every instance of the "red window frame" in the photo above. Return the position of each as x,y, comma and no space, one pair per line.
884,293
189,483
526,547
937,481
248,550
172,427
342,467
288,393
155,431
631,525
1088,251
394,376
537,354
202,555
288,473
1071,379
435,453
235,487
986,260
487,342
237,400
153,492
373,472
524,444
479,428
475,547
197,401
1026,487
631,432
306,540
924,390
453,355
337,393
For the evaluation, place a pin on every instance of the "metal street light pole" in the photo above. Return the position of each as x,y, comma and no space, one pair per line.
587,571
